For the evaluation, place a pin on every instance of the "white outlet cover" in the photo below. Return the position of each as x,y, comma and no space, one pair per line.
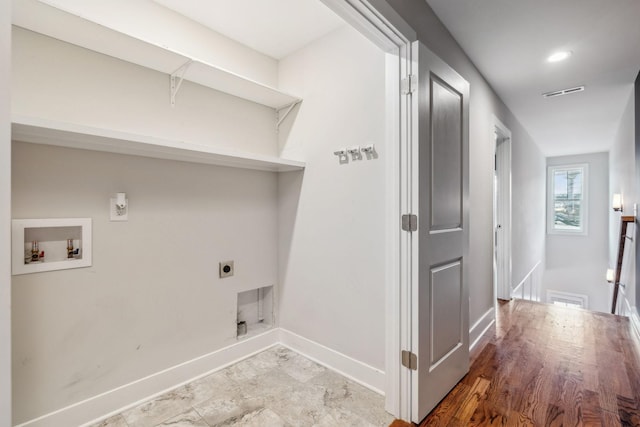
113,214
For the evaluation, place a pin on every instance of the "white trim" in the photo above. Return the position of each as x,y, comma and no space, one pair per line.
481,326
132,394
504,291
409,261
376,20
520,286
365,375
634,318
5,213
392,250
119,399
584,209
630,311
388,30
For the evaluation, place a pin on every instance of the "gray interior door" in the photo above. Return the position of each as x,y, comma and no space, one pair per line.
440,300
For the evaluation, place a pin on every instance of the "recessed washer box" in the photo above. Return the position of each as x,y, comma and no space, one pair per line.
255,309
54,237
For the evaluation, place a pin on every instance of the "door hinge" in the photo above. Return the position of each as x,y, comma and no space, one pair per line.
409,84
409,360
409,222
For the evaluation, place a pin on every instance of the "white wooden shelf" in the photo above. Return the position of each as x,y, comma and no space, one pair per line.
42,131
53,22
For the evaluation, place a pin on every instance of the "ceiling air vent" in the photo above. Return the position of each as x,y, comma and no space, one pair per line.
563,92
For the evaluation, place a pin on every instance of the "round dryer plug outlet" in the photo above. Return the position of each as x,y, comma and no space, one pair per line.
226,269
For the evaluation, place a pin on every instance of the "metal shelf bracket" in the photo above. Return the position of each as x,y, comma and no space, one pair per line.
286,113
177,77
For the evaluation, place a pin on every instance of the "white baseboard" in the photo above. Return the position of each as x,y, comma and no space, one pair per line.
635,321
104,405
480,327
363,374
631,312
129,395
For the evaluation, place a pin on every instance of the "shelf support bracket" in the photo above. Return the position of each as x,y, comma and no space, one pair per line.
286,113
177,77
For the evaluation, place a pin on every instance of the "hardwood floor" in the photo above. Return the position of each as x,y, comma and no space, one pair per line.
544,365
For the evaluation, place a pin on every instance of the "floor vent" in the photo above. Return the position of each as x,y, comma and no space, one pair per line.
567,299
563,92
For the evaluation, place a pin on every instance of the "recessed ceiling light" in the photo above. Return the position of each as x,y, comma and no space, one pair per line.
559,56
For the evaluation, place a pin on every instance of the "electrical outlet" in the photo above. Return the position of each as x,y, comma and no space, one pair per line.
226,269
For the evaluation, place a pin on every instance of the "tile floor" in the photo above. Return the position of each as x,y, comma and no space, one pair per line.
277,387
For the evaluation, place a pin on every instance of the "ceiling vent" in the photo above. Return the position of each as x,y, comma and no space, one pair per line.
563,92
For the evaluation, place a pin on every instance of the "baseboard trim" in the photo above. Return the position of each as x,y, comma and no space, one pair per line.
632,313
97,408
363,374
109,403
635,321
481,326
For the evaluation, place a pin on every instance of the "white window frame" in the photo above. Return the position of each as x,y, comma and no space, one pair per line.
584,209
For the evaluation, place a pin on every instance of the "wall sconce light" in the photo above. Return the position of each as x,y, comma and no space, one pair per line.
617,202
610,275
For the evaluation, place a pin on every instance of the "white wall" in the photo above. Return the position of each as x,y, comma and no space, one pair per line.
577,264
332,272
527,166
528,174
5,213
622,170
152,298
167,28
81,86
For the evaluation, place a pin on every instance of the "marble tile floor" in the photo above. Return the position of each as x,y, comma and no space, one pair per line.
277,387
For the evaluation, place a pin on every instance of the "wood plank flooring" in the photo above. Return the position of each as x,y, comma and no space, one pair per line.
545,365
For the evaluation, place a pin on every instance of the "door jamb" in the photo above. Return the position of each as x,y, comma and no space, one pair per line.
387,29
505,291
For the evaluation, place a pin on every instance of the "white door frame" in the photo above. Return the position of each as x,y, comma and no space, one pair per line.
5,213
502,289
384,27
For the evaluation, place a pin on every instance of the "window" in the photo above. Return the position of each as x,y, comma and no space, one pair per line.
567,199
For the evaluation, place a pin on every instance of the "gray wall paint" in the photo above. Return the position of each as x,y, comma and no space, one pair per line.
332,222
5,213
152,298
622,173
528,174
108,93
155,276
577,264
527,166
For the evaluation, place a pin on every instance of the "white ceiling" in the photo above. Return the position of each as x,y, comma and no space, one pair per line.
509,41
274,27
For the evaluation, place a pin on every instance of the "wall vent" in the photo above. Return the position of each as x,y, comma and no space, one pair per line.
563,92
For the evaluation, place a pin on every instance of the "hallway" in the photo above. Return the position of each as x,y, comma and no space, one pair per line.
545,365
